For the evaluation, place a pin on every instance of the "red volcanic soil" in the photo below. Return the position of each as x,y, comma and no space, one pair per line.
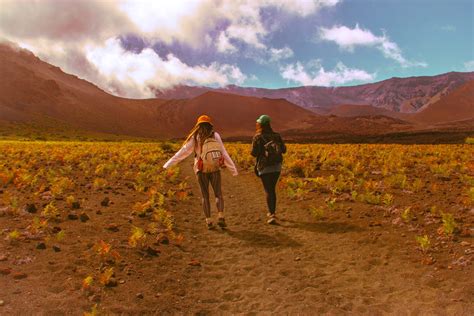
404,95
235,115
35,92
352,110
457,106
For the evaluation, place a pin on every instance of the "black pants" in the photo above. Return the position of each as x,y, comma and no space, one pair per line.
269,181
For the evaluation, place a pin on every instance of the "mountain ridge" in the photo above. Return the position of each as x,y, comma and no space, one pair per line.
35,92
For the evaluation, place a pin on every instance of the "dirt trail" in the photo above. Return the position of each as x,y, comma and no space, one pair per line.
303,266
351,262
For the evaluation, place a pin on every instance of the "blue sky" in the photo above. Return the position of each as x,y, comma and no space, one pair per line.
130,48
438,33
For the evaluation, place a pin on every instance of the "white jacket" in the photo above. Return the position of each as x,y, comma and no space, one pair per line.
190,147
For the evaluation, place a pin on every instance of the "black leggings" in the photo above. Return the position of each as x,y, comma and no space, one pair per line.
269,181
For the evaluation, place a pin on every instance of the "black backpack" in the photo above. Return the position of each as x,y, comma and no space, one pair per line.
272,151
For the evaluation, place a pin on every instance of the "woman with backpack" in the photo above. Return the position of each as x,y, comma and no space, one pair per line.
209,157
268,147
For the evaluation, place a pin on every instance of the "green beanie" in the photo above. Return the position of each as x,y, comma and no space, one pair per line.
264,119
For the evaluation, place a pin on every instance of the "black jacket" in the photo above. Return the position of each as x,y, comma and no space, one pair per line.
258,149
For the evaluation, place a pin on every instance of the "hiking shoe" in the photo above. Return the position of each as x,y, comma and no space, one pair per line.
210,226
221,222
271,219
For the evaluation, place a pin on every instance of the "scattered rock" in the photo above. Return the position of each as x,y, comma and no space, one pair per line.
112,283
397,221
46,195
98,212
4,210
162,239
75,205
373,224
5,271
72,216
428,261
56,248
297,259
465,243
41,245
2,302
19,275
113,227
84,217
121,281
31,208
96,298
194,263
3,257
152,251
140,295
56,229
105,201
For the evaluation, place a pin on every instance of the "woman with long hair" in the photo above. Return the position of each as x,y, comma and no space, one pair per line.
268,147
210,156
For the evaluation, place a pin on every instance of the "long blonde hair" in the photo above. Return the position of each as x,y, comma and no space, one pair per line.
201,130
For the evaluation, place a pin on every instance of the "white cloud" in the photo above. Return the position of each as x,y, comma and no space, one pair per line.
190,20
316,75
469,65
63,21
74,35
300,7
138,72
347,38
448,28
277,54
224,45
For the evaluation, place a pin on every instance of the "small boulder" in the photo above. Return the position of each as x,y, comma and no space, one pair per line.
84,217
162,239
41,246
72,216
20,275
105,201
112,283
140,295
56,248
5,271
31,208
194,263
113,227
75,205
152,251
